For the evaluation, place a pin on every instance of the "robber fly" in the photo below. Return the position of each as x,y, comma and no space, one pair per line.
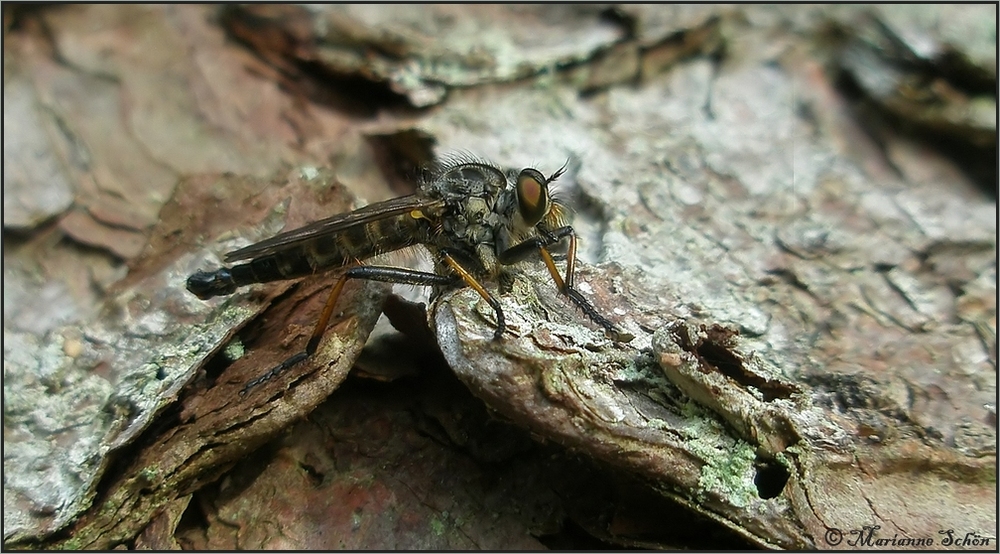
473,217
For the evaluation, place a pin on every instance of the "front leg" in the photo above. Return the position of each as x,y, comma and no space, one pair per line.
521,251
540,244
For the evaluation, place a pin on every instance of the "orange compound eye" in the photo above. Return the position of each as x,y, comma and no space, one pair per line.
532,196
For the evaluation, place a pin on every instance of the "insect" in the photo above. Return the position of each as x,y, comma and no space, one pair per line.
474,218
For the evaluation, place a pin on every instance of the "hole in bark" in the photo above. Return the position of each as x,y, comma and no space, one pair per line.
282,37
719,356
574,537
623,20
193,521
315,475
971,149
403,155
770,478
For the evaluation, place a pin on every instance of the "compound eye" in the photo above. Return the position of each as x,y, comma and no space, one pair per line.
532,196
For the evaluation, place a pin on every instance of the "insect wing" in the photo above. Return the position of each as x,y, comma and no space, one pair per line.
336,224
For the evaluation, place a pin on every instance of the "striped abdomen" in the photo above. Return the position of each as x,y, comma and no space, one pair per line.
335,248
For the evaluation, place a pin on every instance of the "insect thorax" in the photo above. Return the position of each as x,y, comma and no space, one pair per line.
479,213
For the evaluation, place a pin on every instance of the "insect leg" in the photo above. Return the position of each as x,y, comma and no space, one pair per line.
368,273
523,250
478,287
540,244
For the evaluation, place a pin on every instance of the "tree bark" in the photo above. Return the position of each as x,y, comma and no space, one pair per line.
789,211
